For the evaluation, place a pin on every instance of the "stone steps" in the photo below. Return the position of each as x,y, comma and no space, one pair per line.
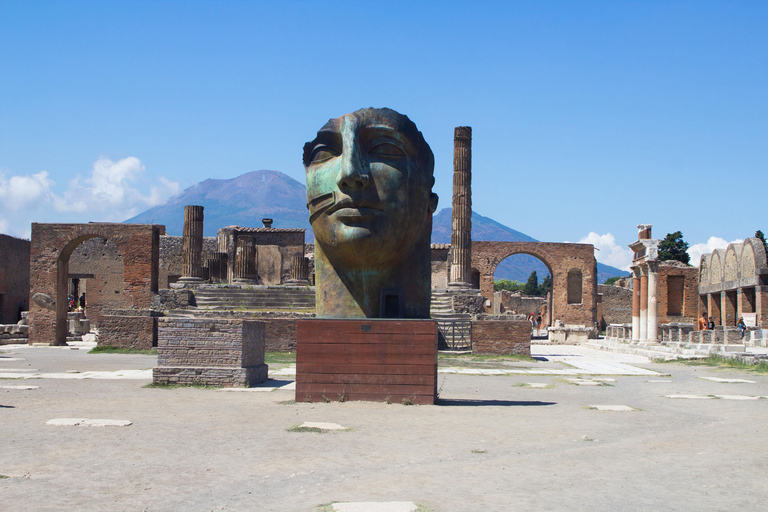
267,298
669,350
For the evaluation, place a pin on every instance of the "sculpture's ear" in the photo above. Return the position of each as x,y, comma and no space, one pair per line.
433,202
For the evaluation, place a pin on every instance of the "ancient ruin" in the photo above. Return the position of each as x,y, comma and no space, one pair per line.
461,209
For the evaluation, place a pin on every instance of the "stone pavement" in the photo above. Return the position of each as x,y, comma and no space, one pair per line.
638,436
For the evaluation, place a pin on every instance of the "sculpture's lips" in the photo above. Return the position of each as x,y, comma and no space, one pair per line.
347,208
355,213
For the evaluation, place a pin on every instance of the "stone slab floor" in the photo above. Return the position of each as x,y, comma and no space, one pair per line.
499,442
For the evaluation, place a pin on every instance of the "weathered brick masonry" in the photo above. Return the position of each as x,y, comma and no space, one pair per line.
14,278
501,337
212,351
129,329
53,244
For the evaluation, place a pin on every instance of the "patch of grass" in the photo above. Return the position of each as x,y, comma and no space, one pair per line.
406,401
298,428
280,357
286,402
163,385
718,361
479,450
119,350
4,476
326,399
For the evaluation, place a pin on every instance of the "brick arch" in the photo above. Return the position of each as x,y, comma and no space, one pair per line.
53,244
559,258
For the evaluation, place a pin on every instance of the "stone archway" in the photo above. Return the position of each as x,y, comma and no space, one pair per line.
559,258
53,244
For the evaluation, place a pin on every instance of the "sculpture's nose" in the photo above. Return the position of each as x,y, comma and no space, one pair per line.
354,173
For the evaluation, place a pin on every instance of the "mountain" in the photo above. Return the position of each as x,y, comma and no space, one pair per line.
242,201
248,198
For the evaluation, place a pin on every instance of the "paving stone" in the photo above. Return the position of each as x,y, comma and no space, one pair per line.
740,397
659,381
728,381
322,425
65,422
3,359
692,397
537,384
106,423
248,390
615,408
25,388
583,382
372,506
603,379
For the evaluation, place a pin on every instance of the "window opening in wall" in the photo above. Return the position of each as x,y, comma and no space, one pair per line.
574,286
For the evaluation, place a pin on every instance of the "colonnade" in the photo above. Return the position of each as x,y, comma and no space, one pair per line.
645,317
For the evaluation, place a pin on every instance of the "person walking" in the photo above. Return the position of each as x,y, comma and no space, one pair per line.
742,327
703,322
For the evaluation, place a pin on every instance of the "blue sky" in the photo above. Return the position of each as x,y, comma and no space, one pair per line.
588,117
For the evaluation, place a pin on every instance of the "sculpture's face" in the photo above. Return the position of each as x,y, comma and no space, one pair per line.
369,181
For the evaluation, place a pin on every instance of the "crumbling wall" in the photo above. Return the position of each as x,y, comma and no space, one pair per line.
616,305
100,258
170,257
14,278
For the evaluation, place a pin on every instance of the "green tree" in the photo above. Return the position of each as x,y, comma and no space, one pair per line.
545,286
759,234
611,280
532,286
674,248
506,284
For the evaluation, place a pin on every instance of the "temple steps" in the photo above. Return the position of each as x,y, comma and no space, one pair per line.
264,298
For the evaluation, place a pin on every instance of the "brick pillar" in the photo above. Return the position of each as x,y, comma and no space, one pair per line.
761,306
635,303
245,261
653,317
713,307
192,245
643,303
461,225
299,270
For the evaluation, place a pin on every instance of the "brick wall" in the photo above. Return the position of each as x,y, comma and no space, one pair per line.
170,257
501,337
14,278
616,305
690,304
211,351
135,329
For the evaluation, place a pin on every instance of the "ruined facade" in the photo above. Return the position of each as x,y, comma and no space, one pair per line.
573,269
14,278
264,254
733,283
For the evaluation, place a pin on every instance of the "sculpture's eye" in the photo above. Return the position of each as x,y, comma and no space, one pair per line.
322,153
387,150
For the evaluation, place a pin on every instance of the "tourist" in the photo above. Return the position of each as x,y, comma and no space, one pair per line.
742,327
538,325
82,303
711,324
703,322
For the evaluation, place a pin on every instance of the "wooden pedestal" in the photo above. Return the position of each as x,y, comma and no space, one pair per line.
371,359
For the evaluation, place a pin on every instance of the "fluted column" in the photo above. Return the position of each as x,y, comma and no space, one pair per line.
299,270
653,301
635,303
643,303
217,266
245,260
192,245
461,215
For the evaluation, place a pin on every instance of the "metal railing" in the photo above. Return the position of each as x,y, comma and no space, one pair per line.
454,334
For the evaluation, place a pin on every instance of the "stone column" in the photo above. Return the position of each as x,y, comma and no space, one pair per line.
245,261
461,215
653,318
217,266
192,245
643,303
635,304
299,270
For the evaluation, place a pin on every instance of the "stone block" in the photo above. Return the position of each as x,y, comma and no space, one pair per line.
501,337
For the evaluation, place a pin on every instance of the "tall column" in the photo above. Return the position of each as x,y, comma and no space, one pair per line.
635,304
192,245
245,261
643,303
653,317
461,225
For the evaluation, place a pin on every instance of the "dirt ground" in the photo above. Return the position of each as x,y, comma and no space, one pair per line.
494,444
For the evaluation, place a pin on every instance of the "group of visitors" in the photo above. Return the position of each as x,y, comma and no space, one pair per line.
709,324
73,303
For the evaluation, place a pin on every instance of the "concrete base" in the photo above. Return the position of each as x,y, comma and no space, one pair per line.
368,359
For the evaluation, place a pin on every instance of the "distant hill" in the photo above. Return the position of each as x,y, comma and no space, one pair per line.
248,198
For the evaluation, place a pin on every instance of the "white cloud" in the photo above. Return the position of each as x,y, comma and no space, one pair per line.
113,192
609,253
697,250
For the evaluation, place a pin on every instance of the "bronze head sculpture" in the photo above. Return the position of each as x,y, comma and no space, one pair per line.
370,201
